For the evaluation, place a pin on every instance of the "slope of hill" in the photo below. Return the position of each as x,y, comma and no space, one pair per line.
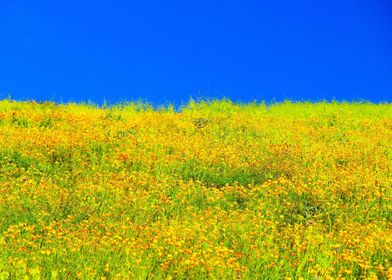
217,190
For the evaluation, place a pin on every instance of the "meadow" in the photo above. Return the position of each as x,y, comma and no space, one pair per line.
216,190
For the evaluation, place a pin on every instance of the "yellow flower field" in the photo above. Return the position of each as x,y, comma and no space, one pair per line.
217,190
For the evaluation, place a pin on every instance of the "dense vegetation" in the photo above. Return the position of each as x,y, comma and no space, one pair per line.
216,190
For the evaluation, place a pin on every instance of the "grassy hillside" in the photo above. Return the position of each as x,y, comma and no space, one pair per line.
215,191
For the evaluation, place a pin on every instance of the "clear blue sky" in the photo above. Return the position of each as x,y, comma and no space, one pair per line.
168,51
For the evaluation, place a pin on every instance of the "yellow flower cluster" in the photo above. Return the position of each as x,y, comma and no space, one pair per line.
216,190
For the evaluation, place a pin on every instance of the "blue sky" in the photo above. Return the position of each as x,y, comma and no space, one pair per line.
168,51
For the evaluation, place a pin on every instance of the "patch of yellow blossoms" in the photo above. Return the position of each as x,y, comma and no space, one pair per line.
217,191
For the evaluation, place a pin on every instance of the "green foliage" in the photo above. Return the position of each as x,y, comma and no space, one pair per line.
215,190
